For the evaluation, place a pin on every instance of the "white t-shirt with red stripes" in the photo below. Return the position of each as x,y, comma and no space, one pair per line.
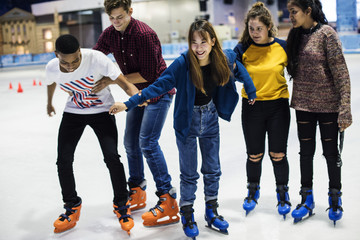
94,65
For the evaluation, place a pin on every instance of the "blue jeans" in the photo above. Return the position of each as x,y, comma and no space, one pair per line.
142,133
205,127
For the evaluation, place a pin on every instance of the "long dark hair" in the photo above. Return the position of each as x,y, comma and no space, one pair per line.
294,37
220,71
258,10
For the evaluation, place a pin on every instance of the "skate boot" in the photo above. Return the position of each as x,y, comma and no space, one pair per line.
187,219
137,196
306,207
335,209
165,211
253,195
214,219
68,219
284,205
123,213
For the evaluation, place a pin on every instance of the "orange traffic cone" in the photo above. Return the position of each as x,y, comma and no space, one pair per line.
34,82
10,86
20,90
39,83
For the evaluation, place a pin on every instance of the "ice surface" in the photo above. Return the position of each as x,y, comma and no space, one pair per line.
30,198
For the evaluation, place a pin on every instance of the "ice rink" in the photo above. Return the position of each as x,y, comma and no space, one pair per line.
30,198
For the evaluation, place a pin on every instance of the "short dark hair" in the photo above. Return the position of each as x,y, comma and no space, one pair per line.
113,4
66,44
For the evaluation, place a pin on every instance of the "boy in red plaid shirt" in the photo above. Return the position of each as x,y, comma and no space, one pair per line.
137,51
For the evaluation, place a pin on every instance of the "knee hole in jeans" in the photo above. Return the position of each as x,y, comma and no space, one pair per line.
255,157
305,139
301,122
327,123
277,156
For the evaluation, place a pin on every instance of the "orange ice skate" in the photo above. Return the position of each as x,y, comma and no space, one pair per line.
165,211
123,213
68,220
137,196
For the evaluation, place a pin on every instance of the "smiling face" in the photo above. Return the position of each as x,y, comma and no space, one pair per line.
258,31
120,19
202,47
69,62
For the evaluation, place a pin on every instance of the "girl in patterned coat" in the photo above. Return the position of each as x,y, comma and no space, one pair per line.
321,96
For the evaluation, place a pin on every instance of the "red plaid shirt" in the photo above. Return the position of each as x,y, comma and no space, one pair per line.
138,49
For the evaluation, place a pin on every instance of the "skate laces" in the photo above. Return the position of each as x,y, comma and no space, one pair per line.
251,195
335,202
123,212
187,213
282,195
66,215
131,192
304,195
157,206
213,206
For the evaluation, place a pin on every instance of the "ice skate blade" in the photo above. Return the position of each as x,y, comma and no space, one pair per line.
57,231
247,212
299,220
222,231
335,222
193,238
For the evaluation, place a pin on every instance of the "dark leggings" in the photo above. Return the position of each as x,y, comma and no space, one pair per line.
71,128
271,118
329,130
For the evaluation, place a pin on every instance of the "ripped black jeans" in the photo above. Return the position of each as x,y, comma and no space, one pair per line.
329,131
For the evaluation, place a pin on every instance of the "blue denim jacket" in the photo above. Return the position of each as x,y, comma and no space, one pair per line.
178,75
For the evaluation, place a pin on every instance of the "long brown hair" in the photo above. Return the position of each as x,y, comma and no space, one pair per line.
258,10
220,71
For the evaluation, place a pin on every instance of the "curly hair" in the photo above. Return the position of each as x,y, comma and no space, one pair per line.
259,10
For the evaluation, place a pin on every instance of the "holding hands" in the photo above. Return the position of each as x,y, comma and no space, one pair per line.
117,107
120,106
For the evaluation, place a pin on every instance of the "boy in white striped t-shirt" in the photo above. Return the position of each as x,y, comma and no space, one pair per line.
76,71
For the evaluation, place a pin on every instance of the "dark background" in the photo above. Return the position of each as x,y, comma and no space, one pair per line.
7,5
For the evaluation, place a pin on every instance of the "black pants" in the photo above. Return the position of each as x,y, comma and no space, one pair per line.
71,128
271,117
306,123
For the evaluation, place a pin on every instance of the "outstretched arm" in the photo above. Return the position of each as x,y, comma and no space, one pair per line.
50,94
243,76
127,86
250,101
117,107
